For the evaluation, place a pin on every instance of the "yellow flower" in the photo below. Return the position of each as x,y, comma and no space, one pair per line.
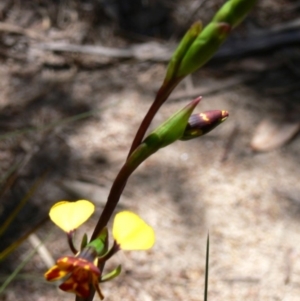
130,232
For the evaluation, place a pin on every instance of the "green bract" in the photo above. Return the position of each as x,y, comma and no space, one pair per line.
172,129
167,133
100,244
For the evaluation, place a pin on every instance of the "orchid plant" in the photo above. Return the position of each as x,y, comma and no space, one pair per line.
130,232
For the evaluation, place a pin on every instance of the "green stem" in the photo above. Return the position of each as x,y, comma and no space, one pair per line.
206,269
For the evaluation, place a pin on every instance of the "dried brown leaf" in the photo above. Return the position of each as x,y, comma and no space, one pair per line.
271,134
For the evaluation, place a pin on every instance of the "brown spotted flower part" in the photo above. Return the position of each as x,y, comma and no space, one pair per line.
202,123
82,270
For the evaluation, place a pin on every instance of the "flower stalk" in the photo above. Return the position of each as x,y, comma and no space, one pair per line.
85,269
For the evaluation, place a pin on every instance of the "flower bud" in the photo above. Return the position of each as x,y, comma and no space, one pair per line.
203,48
165,134
173,128
181,50
233,12
202,123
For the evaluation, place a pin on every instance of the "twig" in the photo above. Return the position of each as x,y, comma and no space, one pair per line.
291,25
146,51
11,28
87,49
258,42
232,81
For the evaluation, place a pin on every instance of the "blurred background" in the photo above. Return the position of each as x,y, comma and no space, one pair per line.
76,79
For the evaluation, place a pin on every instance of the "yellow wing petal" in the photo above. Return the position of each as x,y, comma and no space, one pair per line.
131,232
70,215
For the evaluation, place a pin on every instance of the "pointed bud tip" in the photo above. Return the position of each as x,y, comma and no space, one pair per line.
196,27
202,123
225,114
196,100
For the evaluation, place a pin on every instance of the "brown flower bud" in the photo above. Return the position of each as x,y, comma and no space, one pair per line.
202,123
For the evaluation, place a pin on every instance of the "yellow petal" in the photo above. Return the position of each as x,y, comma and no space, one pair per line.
70,215
131,232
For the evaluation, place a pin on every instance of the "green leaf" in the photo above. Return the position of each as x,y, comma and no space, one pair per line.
206,269
4,253
11,217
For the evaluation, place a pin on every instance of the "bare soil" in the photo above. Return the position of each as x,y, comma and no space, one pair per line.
248,202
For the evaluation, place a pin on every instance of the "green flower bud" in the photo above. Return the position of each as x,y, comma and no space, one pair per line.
197,46
202,123
181,50
173,128
233,12
203,48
